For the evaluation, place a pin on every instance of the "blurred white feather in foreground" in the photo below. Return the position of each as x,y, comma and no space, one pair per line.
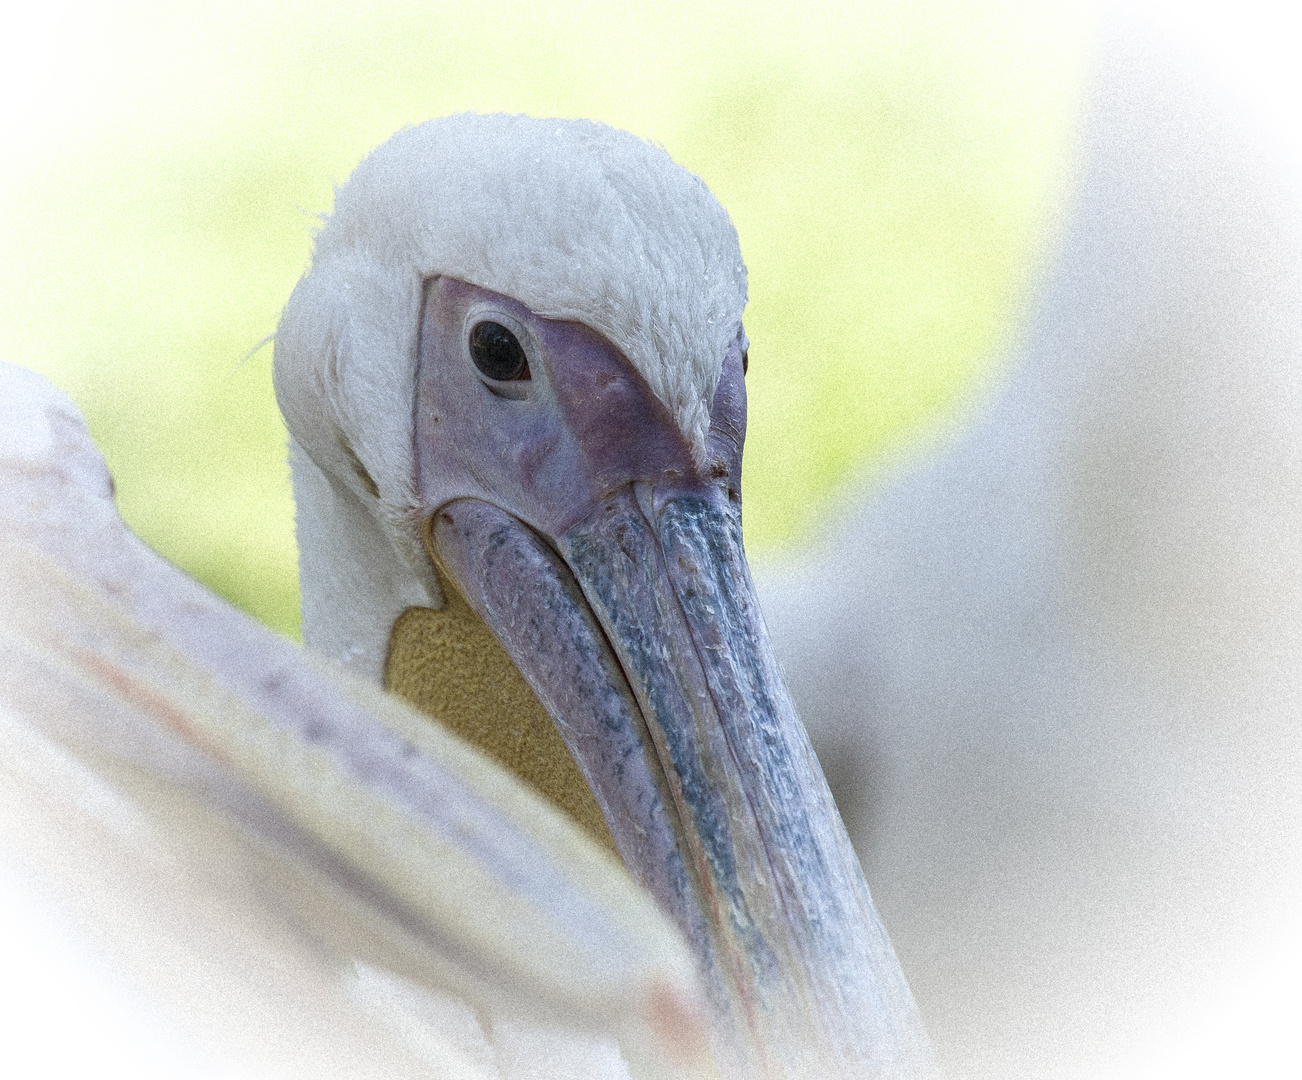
268,867
1055,674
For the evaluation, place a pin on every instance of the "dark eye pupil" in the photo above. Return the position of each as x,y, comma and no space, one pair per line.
497,353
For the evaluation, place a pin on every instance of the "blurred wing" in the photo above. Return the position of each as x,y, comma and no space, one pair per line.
303,874
1056,672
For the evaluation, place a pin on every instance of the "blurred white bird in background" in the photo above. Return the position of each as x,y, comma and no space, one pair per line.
1055,673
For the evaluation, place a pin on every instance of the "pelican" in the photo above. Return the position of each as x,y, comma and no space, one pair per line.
1059,703
514,382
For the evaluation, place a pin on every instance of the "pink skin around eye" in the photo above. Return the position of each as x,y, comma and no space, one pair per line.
587,427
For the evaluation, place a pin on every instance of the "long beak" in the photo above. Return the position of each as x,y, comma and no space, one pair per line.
640,633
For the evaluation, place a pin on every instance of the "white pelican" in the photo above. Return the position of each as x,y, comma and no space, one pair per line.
1078,632
514,382
1057,671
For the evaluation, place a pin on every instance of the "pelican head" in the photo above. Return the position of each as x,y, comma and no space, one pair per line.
513,378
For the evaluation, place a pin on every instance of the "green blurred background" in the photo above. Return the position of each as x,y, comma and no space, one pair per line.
893,170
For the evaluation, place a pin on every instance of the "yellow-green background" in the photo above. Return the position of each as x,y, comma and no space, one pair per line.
892,170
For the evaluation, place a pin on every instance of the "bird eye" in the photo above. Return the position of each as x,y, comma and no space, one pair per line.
498,353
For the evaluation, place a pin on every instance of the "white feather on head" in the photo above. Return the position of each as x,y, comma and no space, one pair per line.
573,219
